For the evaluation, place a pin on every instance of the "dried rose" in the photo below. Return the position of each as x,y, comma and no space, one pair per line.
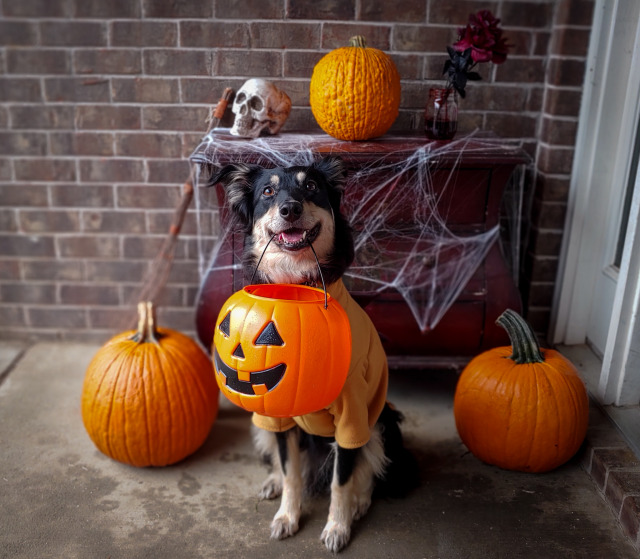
484,37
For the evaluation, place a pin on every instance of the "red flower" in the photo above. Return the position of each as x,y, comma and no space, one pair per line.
484,37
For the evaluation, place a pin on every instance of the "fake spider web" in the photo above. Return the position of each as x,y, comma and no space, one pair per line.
403,239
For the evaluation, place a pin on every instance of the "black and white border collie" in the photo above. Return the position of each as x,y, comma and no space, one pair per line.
284,212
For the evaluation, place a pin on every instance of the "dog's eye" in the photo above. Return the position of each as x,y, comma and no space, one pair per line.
312,186
268,191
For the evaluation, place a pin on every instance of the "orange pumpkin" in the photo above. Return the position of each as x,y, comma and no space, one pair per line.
278,351
149,396
520,407
355,92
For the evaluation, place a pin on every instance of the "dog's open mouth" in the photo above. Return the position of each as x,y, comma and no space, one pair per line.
295,238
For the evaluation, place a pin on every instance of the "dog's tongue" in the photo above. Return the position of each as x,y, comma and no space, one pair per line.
292,236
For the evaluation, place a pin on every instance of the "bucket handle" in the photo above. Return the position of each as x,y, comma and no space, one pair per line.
324,287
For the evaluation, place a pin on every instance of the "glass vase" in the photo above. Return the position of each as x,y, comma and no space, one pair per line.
441,114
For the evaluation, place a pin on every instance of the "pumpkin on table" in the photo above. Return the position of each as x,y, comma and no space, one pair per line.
279,351
149,396
520,407
355,92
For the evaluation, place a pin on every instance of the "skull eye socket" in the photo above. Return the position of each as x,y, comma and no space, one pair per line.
269,336
240,98
256,103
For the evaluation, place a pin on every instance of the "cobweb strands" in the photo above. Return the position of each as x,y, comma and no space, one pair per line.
412,235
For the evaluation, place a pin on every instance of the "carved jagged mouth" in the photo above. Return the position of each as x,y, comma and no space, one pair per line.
296,238
268,377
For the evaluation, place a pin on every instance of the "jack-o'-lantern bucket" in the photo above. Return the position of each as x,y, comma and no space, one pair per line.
281,350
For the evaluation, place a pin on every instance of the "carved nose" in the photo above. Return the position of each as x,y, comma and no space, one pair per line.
291,210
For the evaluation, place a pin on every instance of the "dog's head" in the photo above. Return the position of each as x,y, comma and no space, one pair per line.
284,212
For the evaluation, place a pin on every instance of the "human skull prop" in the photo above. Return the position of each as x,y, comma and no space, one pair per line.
259,107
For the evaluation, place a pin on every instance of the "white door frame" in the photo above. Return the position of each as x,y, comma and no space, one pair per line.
609,115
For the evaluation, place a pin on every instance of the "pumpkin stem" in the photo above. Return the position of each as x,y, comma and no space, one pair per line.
146,332
524,343
358,41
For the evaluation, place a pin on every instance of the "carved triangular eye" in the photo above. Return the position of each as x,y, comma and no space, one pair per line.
225,325
238,352
269,336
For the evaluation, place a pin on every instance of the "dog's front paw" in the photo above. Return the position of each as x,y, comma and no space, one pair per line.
335,536
271,488
283,526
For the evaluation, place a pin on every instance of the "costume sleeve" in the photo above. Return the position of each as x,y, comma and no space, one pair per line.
351,413
274,424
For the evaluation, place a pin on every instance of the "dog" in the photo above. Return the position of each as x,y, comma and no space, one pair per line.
295,233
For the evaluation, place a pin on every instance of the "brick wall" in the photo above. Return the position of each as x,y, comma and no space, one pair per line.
100,103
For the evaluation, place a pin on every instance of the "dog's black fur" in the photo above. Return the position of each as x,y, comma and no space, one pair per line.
275,204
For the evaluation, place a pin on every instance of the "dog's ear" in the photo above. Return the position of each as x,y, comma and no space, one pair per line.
334,169
237,180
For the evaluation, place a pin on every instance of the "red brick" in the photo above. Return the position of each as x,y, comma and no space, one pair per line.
268,35
144,34
520,71
552,188
114,221
12,317
149,145
299,65
168,62
48,169
24,90
555,159
171,172
28,292
549,215
560,132
15,195
218,34
111,170
562,102
335,35
162,8
575,13
53,270
206,90
145,90
507,125
147,247
153,197
414,38
255,64
57,317
107,117
10,269
95,294
250,9
605,459
40,117
413,11
568,41
546,242
322,9
81,143
76,90
26,245
8,220
121,271
107,61
95,246
17,33
540,268
23,143
82,195
484,96
73,33
38,8
566,72
112,9
37,221
620,484
38,61
175,118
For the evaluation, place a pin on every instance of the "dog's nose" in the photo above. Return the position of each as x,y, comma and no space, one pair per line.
291,210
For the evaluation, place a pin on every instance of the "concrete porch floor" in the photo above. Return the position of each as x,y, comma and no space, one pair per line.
61,498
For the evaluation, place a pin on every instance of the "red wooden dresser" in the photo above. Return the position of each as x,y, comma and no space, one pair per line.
430,268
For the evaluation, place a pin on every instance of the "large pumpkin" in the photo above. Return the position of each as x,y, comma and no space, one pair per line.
520,407
278,351
355,92
149,396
